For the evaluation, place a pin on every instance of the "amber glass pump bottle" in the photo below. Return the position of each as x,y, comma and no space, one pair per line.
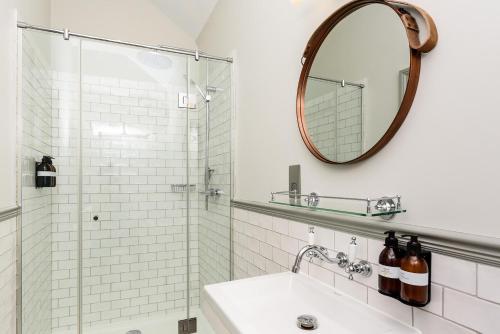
389,266
414,275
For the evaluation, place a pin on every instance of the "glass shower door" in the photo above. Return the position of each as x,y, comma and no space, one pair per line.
134,194
210,159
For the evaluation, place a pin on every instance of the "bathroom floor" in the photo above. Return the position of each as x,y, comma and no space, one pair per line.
154,325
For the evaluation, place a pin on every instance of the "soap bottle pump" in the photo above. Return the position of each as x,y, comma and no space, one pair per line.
389,266
414,275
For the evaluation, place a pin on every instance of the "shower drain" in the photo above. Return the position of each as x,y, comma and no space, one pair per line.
134,331
307,322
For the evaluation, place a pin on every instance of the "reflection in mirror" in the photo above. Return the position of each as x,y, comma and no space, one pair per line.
356,83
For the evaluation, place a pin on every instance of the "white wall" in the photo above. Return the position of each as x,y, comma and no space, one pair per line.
444,160
129,20
8,102
38,13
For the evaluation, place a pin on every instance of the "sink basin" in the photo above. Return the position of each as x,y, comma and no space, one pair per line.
272,303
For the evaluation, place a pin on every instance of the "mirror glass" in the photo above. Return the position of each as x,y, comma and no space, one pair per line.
356,83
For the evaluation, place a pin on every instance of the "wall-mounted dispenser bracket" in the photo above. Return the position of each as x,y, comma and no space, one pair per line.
428,258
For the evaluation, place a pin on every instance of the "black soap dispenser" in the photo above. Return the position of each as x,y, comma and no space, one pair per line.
389,266
45,173
414,275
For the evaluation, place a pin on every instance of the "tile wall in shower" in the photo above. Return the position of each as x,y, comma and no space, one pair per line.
349,126
65,198
334,122
320,113
134,255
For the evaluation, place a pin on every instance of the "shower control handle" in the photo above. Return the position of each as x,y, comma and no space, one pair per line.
212,192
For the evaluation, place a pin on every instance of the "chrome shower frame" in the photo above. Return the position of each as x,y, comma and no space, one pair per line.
67,34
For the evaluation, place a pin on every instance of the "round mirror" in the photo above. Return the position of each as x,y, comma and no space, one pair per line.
358,82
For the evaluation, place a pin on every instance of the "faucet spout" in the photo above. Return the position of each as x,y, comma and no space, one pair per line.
319,252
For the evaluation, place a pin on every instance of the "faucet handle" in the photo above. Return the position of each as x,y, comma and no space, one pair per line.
363,268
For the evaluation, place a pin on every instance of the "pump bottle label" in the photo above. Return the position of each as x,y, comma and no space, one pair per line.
389,272
44,173
417,279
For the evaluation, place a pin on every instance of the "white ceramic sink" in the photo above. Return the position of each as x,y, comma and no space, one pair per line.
272,303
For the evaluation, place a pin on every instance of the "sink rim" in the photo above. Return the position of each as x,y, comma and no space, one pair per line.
211,291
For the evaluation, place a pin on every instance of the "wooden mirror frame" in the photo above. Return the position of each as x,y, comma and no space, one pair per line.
403,10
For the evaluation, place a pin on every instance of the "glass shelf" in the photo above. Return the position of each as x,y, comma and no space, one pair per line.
383,207
361,214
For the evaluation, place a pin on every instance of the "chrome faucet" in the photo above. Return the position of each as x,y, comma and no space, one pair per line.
348,262
321,253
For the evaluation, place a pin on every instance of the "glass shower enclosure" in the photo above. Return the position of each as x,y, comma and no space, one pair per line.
139,219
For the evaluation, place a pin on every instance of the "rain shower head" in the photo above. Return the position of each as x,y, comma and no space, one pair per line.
155,60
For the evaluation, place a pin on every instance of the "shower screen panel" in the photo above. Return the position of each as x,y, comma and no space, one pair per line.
134,222
124,241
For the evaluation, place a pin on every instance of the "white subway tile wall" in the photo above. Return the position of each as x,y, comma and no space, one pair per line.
456,306
8,276
349,127
36,203
65,207
334,120
134,255
321,117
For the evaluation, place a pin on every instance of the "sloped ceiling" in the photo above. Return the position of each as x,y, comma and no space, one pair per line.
189,15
